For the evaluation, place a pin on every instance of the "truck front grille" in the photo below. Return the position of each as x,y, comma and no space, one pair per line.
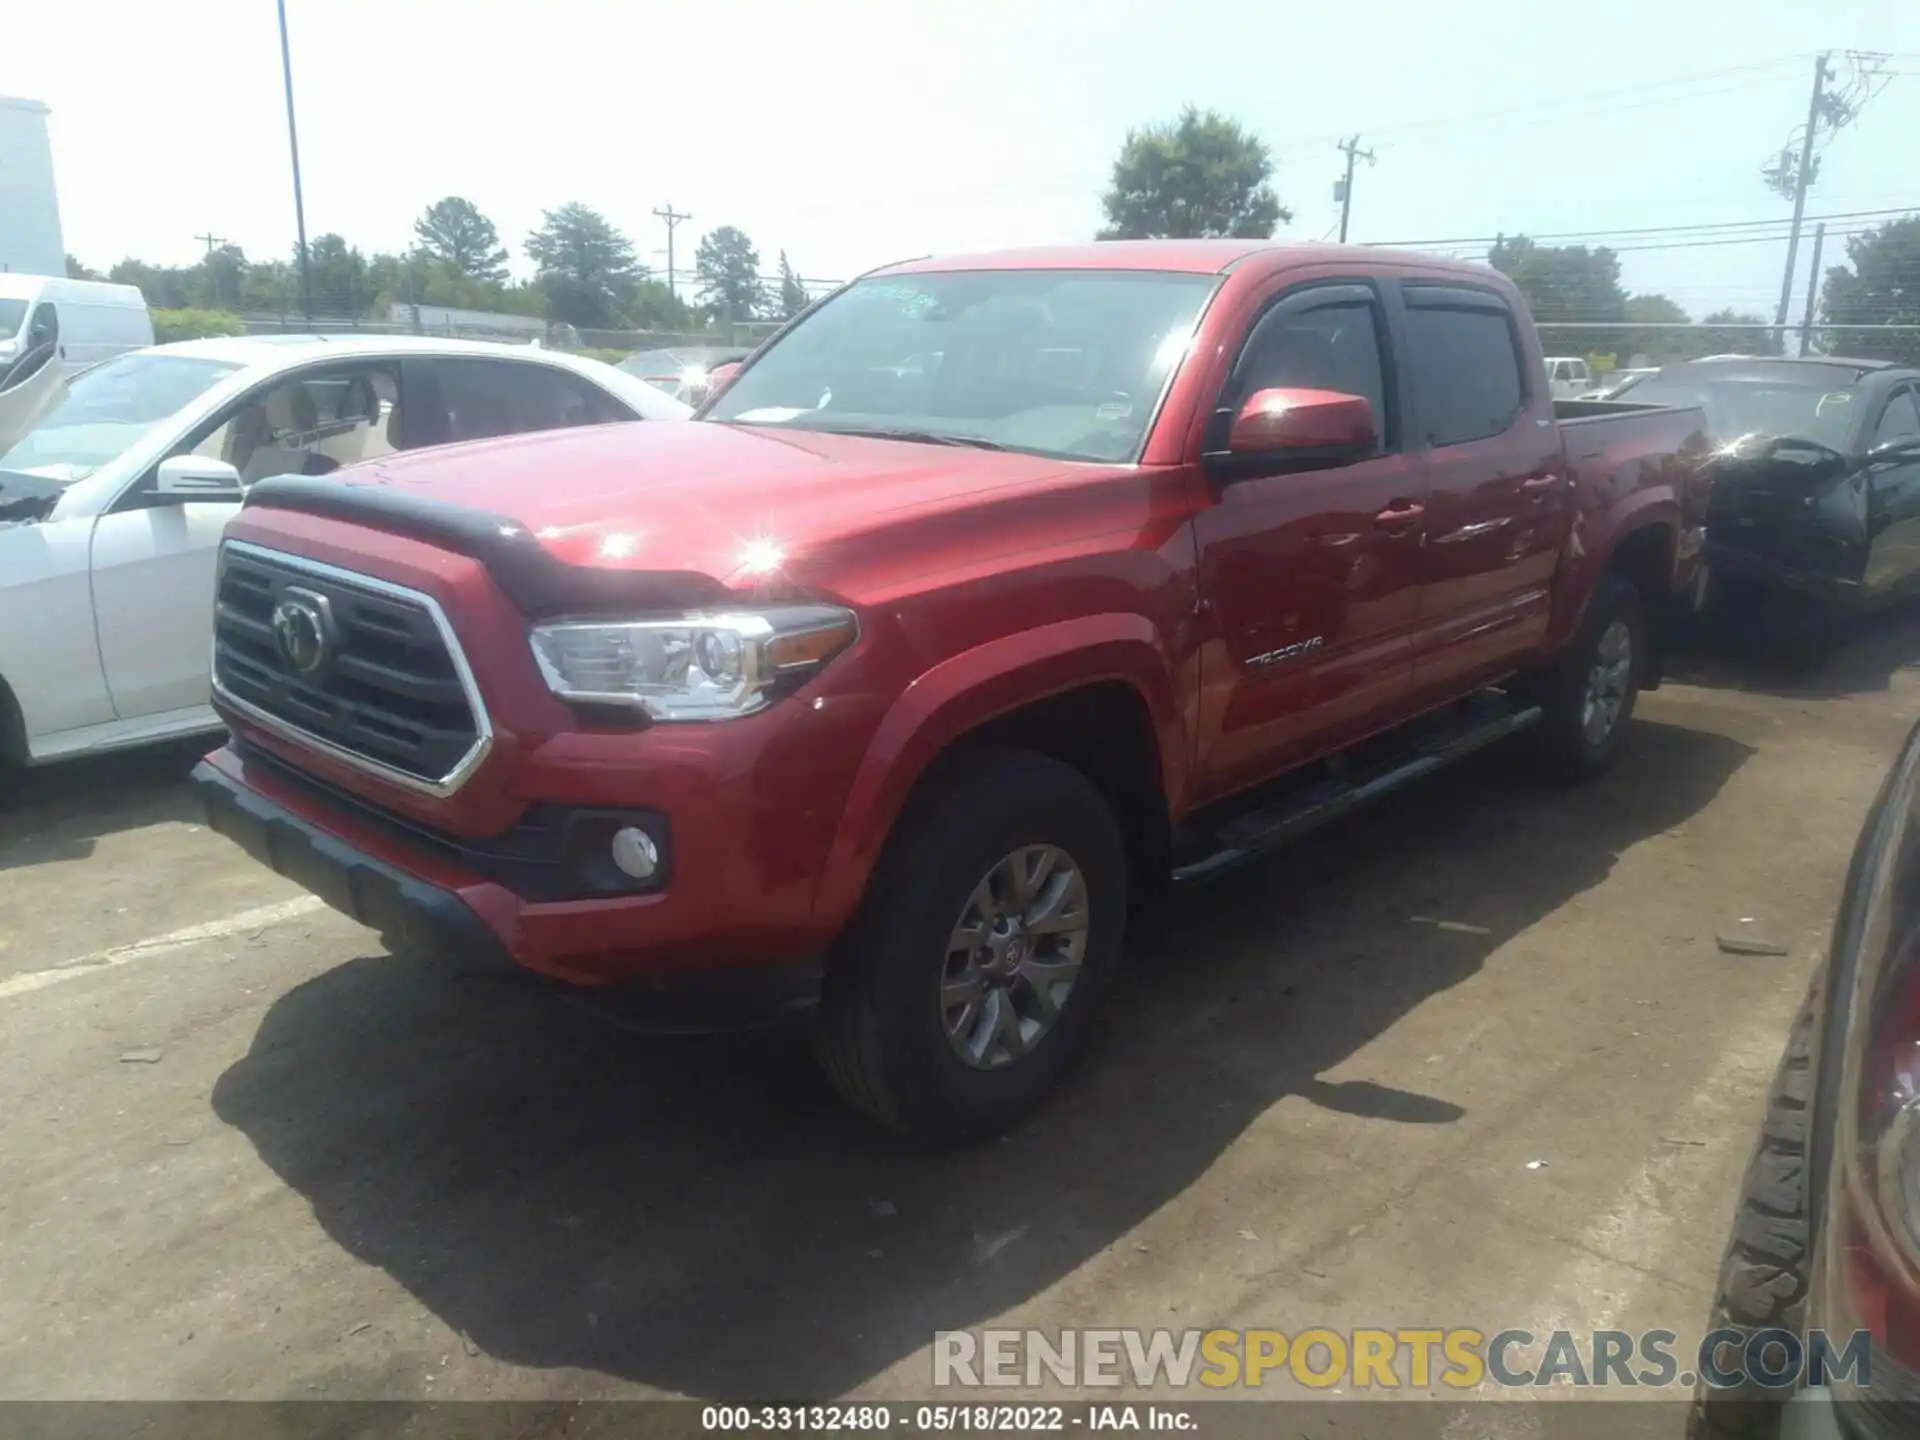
360,668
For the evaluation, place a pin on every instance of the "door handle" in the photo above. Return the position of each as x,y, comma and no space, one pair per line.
1538,485
1399,515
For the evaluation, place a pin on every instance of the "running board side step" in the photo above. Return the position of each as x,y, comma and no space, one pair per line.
1457,734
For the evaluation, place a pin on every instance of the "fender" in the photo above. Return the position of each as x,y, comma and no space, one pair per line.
961,694
1591,546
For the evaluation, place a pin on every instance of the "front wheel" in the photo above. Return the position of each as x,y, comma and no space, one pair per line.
967,985
1589,694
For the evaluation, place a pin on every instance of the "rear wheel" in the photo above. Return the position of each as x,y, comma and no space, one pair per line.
1589,694
967,985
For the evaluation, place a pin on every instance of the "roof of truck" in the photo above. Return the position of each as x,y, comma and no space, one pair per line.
1193,257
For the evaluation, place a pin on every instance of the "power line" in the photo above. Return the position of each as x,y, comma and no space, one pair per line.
1632,232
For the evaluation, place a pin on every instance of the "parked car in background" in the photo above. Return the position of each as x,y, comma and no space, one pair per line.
685,371
94,320
112,505
1567,376
991,594
1815,513
1826,1232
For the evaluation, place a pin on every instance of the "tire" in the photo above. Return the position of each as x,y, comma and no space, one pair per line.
882,1034
1570,748
1766,1268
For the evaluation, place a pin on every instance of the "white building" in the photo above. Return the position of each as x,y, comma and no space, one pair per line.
30,242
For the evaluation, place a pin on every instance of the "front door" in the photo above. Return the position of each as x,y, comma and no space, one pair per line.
1893,499
153,557
1309,574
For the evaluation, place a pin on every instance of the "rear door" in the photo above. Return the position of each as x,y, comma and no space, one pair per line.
1309,574
1498,502
458,398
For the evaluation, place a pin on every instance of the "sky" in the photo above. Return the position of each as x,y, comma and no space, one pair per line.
849,133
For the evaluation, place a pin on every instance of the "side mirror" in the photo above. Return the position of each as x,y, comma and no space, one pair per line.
719,375
194,477
1303,427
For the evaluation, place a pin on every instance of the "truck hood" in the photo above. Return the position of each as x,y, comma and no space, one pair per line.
733,502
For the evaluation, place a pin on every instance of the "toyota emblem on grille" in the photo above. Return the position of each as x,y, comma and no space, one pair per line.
300,629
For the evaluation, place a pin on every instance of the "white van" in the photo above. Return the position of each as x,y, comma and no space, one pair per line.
90,319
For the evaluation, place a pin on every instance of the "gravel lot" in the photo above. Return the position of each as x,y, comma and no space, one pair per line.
244,1153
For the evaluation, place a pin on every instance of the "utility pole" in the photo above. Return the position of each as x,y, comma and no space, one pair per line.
673,218
293,144
1350,147
1813,288
1801,178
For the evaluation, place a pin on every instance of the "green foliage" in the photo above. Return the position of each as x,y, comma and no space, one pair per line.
338,275
172,325
654,307
793,295
728,269
1709,341
587,267
78,271
455,233
1564,282
1654,310
1879,285
1202,175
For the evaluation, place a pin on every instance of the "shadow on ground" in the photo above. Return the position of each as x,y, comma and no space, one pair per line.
1862,660
705,1217
59,811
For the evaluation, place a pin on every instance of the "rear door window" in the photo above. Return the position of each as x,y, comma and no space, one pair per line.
474,399
1467,367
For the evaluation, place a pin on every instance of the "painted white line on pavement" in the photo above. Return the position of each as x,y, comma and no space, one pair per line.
255,919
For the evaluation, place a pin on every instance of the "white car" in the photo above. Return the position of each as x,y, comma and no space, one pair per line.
112,505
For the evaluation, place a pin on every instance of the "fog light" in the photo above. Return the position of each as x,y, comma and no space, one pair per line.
635,853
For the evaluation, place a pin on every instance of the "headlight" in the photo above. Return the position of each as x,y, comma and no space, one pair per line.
690,667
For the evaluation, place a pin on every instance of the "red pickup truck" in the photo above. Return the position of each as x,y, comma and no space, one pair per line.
992,594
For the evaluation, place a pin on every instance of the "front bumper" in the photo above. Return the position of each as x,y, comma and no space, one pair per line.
420,904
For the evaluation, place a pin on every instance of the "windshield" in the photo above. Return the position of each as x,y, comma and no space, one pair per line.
1068,363
12,312
109,408
1771,405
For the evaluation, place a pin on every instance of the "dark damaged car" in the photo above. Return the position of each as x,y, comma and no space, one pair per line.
1815,512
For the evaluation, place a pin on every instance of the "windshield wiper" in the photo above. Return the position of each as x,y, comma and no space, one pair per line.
917,437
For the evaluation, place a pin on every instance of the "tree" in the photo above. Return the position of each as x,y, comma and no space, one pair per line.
338,276
793,295
216,282
654,307
454,232
1656,346
727,268
1709,341
165,286
1567,284
587,267
1201,175
1879,285
78,271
